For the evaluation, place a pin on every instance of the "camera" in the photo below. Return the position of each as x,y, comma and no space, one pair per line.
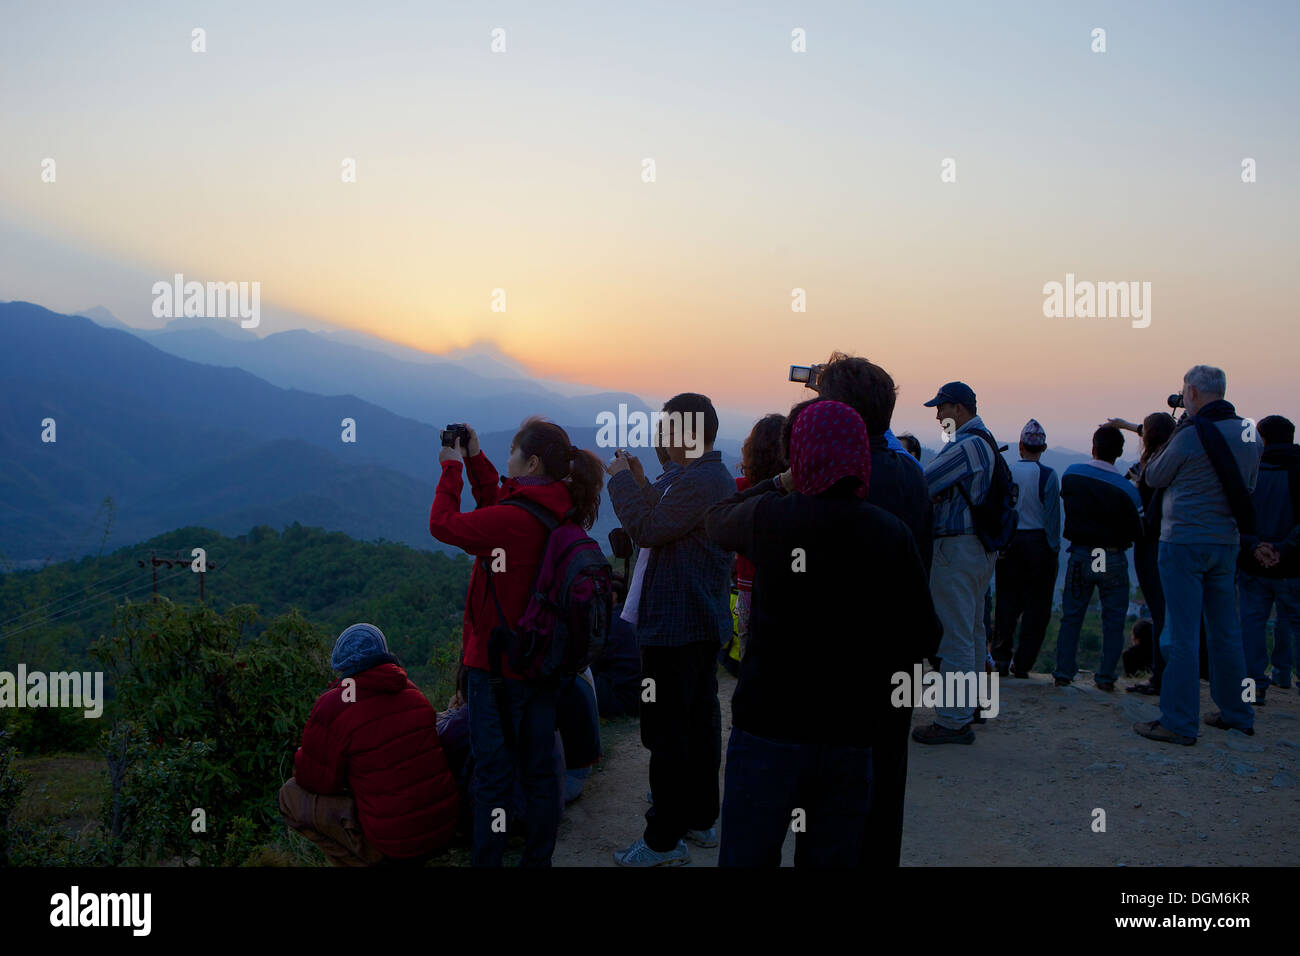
1175,400
451,433
808,375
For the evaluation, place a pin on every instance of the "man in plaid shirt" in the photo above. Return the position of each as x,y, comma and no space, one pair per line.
683,615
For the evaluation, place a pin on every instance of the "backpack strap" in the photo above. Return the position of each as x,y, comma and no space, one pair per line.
962,490
542,514
496,679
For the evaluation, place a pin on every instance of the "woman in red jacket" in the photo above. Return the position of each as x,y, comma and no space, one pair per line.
545,468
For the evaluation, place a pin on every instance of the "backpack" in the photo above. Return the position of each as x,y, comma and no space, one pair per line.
995,518
567,621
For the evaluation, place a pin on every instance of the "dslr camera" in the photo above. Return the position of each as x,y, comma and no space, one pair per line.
451,433
1175,400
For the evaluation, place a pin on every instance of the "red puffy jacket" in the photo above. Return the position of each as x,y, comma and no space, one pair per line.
492,525
384,748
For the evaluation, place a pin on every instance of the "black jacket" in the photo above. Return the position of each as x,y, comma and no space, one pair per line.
1277,512
824,640
899,487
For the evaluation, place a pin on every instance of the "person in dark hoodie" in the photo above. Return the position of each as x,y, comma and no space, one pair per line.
546,469
370,782
898,486
1271,573
1103,517
810,763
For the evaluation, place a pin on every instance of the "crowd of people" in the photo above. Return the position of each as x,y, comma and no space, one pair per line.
833,535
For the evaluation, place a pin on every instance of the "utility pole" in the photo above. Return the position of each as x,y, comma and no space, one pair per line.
176,559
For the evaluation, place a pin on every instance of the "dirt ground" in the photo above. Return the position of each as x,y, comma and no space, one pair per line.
1025,792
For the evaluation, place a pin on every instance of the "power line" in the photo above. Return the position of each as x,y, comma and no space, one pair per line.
69,596
77,607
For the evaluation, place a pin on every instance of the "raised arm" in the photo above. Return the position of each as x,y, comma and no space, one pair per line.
475,532
652,519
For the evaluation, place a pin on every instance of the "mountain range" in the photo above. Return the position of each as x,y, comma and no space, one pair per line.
207,424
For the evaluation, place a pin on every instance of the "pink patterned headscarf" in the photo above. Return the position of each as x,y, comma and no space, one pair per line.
828,442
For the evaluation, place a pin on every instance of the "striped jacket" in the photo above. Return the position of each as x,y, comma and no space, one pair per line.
966,460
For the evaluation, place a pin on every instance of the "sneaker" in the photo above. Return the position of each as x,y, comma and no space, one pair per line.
1216,720
705,838
1277,680
935,734
1016,672
1145,689
1261,695
1152,730
638,854
1107,685
1062,682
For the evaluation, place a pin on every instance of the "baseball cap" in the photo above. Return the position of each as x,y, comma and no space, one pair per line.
958,392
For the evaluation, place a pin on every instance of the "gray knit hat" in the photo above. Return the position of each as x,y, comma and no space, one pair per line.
357,648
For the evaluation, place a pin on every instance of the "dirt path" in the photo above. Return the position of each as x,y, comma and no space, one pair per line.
1025,791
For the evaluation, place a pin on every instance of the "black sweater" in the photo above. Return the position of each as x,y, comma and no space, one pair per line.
824,641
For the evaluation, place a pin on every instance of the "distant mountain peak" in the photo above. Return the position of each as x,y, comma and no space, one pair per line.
102,317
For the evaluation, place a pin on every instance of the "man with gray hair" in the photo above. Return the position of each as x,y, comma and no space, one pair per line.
1208,468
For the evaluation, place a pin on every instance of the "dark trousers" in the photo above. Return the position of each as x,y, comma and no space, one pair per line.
882,841
1145,554
682,729
821,791
532,714
1026,578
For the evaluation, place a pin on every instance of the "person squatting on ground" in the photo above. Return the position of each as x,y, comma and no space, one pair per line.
370,783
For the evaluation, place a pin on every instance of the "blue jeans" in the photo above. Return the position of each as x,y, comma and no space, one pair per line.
1284,656
768,780
1199,579
532,713
1080,580
1256,597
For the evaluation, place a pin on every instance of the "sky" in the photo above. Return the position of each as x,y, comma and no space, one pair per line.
775,170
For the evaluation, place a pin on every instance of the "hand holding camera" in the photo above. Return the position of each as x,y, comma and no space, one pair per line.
622,462
458,440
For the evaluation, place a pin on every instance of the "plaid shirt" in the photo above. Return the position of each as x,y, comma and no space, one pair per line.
966,460
686,592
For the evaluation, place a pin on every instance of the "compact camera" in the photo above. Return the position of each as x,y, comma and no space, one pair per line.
807,375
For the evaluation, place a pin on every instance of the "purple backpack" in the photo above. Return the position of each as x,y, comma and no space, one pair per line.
567,621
